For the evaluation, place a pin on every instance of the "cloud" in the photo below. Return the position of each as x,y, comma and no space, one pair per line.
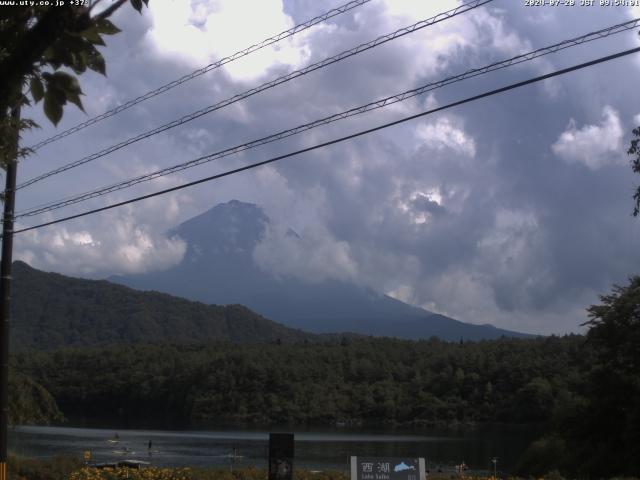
429,204
460,291
126,248
133,241
313,255
443,133
510,254
592,145
200,32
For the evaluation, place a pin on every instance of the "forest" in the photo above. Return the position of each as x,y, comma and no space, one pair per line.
355,381
583,390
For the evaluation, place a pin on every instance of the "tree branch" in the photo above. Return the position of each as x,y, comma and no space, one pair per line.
109,11
94,4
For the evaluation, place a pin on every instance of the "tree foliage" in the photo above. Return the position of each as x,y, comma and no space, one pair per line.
634,149
42,50
600,435
30,402
610,441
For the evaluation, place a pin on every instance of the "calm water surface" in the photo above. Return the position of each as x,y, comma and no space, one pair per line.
317,449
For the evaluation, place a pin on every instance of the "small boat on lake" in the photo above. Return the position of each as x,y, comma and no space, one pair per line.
125,451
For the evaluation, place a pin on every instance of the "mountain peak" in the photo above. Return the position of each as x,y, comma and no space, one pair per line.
233,210
21,265
232,227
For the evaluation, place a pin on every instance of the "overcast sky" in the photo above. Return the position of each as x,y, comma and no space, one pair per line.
514,210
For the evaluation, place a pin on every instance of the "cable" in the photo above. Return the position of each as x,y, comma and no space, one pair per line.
242,53
265,86
55,205
328,61
341,139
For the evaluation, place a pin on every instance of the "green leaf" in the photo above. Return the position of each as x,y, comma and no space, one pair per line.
78,63
67,83
93,36
52,107
96,62
75,99
37,89
137,4
57,93
106,27
66,87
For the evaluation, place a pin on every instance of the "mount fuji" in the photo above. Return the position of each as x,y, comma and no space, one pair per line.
219,268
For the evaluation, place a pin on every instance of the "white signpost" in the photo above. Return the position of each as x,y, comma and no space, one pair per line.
387,468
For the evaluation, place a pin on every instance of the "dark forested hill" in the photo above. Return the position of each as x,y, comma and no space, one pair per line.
52,310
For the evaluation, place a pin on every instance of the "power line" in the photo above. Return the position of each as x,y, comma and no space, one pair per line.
332,118
265,86
212,66
341,139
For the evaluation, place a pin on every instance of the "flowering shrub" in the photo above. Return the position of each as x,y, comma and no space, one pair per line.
155,473
152,473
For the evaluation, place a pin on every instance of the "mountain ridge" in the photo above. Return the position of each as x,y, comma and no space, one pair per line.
50,310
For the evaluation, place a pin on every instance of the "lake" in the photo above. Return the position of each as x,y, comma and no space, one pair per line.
315,448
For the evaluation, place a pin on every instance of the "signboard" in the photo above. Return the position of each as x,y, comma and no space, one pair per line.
387,468
280,456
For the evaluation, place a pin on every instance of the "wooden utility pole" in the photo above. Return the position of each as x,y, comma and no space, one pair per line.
5,291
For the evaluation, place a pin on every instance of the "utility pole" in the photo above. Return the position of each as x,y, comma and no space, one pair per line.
5,291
